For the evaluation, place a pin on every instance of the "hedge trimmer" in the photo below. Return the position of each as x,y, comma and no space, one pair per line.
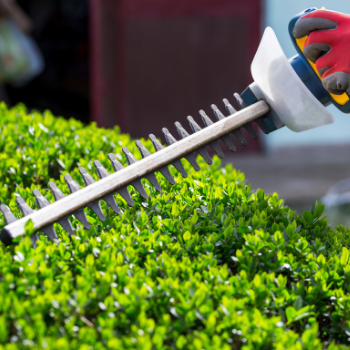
284,93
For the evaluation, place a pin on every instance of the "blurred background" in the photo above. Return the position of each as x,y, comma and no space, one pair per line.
143,64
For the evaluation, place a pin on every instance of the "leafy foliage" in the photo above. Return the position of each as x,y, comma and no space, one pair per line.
206,264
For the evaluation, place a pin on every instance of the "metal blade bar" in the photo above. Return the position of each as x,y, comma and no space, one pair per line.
96,191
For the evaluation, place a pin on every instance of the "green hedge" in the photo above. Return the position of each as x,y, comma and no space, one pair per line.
207,264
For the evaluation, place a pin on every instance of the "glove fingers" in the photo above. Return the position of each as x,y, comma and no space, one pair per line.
337,83
313,51
304,26
321,71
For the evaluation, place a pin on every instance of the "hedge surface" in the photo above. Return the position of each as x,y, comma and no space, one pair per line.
206,264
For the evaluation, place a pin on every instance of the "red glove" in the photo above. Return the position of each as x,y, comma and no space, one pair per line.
328,45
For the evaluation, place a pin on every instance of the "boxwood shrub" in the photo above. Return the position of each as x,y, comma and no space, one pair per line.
206,264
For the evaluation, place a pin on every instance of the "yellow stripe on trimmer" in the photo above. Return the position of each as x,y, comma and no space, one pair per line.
340,99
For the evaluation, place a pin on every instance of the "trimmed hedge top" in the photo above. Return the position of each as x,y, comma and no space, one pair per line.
206,264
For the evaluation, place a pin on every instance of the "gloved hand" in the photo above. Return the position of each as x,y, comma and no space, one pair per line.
328,45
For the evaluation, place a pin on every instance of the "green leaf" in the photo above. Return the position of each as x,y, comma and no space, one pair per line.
344,256
90,260
194,218
120,259
91,220
187,236
321,260
29,227
308,218
228,232
175,210
309,336
211,321
298,303
290,314
319,211
257,281
260,194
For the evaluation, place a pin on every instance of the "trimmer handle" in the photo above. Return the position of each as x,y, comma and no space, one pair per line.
308,73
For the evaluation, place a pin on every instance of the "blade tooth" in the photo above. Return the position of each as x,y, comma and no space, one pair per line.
194,126
214,144
129,156
166,173
231,110
64,222
87,178
170,139
124,192
101,171
202,151
94,206
226,138
229,107
240,101
156,144
40,199
216,147
9,217
176,163
180,168
217,112
110,200
57,193
220,116
23,206
143,150
26,210
181,131
190,157
43,202
137,184
249,127
164,170
139,187
153,180
72,185
238,133
50,232
192,160
79,214
262,125
206,120
150,177
115,163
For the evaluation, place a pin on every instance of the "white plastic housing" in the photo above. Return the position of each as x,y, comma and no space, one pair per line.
278,84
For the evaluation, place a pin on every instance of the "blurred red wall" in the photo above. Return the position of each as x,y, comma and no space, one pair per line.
156,61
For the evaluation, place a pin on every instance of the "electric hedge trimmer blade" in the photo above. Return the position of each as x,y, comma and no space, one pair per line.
111,184
284,93
278,97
